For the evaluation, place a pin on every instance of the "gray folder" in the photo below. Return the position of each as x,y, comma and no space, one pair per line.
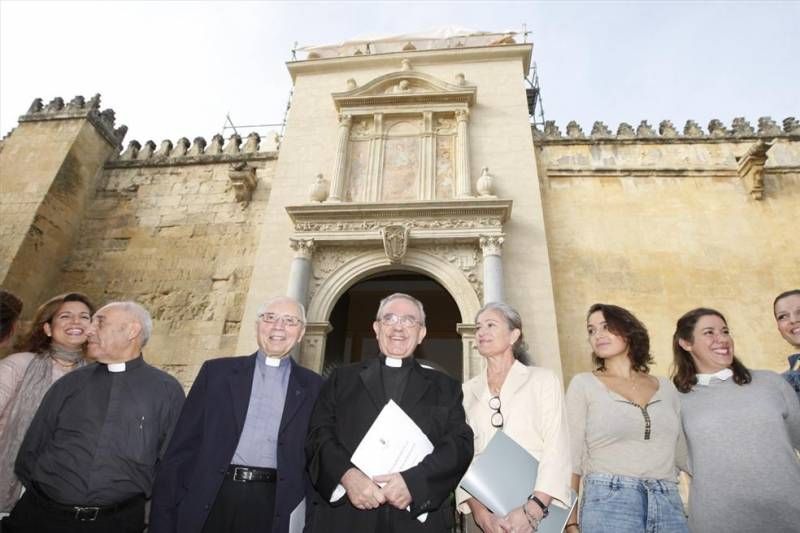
502,478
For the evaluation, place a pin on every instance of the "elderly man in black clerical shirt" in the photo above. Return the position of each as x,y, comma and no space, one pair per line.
236,463
415,499
89,457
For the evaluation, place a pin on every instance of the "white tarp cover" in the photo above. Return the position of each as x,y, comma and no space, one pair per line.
436,38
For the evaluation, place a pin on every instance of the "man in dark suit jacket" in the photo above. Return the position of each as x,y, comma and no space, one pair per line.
347,406
235,462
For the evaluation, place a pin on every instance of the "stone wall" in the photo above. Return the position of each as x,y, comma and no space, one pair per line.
662,223
166,229
49,165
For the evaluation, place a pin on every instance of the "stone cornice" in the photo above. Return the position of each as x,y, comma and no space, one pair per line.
343,223
191,160
419,57
638,172
384,91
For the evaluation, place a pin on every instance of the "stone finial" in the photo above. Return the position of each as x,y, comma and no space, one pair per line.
460,79
692,129
791,125
94,103
216,145
108,116
741,128
716,128
271,142
351,84
485,184
537,133
181,147
574,130
405,65
319,189
120,133
233,145
666,129
768,127
147,151
198,147
131,151
408,47
551,130
55,105
600,130
243,179
36,106
251,145
165,149
625,131
645,130
76,103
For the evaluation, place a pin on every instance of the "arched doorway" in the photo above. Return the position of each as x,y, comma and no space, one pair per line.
352,338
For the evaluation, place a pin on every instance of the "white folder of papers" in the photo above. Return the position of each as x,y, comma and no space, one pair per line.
503,476
394,443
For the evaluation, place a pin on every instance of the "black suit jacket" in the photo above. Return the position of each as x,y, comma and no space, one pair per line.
347,405
206,437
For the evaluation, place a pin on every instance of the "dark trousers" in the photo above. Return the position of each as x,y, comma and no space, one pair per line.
242,508
32,514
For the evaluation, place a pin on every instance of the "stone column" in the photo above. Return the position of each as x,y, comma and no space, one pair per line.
340,167
300,273
463,174
492,247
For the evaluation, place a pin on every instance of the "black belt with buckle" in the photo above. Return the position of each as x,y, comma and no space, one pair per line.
84,513
251,474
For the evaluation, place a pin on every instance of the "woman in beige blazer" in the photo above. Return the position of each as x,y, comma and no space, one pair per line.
525,402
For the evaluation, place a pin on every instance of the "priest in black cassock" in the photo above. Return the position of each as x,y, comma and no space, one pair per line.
88,459
348,404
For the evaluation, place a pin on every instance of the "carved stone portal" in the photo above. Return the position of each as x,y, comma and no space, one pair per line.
395,242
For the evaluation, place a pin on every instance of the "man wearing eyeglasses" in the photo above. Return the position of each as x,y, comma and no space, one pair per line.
235,463
348,404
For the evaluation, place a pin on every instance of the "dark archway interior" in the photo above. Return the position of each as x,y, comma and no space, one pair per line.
353,338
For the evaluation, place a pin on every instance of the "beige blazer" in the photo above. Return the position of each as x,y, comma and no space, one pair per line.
532,403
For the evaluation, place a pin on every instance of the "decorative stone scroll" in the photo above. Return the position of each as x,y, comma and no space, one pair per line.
751,168
395,242
243,178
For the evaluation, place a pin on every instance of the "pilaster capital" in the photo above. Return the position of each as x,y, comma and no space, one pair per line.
303,248
345,120
462,115
491,244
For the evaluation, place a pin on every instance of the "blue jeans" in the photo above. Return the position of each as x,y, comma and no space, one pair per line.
621,504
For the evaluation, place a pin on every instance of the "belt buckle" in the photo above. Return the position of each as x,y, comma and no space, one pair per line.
86,514
242,474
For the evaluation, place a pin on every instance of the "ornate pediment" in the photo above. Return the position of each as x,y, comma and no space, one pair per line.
405,87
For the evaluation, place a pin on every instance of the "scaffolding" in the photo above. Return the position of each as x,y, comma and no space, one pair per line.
534,94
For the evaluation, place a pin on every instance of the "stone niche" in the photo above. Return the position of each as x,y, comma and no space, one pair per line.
403,137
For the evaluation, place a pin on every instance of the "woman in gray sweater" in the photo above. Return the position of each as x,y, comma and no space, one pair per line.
742,429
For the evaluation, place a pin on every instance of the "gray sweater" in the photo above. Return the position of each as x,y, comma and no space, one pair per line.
742,441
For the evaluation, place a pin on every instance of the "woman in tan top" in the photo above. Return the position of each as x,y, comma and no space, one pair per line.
54,346
626,433
526,403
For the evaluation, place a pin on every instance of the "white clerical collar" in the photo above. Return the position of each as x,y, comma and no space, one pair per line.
722,375
274,362
116,367
393,362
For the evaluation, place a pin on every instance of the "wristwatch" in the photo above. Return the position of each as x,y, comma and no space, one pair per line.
538,502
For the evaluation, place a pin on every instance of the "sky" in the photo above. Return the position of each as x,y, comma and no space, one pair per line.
177,69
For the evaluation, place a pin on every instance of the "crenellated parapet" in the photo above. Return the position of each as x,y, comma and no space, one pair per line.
739,128
78,107
182,152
